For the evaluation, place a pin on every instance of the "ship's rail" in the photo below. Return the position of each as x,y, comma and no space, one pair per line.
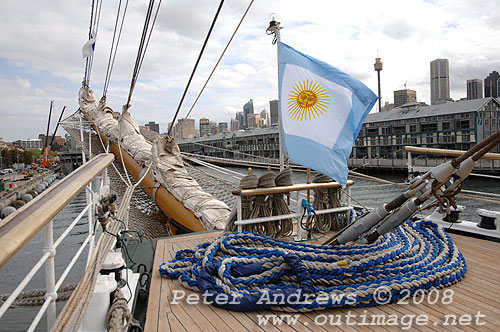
413,167
487,162
300,190
20,228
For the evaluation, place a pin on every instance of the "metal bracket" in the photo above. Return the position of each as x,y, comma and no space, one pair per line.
155,189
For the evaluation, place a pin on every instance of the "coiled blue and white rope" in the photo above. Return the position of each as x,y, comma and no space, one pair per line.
253,272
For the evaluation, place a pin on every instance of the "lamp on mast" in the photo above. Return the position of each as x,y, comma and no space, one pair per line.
274,28
378,67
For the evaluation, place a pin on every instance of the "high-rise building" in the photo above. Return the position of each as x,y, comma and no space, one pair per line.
213,127
151,125
204,127
491,85
235,125
185,128
440,81
474,89
241,121
405,96
247,109
274,109
222,127
264,119
253,120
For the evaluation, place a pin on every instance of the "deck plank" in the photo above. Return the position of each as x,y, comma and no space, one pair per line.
152,313
165,315
479,291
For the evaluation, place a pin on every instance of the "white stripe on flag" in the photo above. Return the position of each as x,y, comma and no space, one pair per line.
326,127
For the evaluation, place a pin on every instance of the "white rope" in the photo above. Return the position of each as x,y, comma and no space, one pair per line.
106,149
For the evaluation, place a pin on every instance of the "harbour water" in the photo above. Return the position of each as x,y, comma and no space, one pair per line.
365,193
19,319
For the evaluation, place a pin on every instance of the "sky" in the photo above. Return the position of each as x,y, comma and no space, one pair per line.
41,44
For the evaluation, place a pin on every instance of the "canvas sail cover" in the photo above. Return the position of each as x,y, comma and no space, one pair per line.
167,167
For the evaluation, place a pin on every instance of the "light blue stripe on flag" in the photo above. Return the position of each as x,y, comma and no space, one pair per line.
322,111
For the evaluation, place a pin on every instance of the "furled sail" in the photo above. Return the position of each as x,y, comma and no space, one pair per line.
167,167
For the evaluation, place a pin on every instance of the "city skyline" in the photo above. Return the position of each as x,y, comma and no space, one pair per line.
473,90
41,60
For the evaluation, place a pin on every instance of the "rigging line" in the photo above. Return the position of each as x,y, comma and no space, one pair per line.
134,77
220,58
120,150
220,169
106,150
211,166
139,52
143,45
117,42
354,199
196,66
234,151
105,88
114,48
149,37
218,181
142,42
87,60
95,29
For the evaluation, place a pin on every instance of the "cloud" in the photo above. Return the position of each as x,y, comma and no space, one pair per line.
23,83
40,57
399,29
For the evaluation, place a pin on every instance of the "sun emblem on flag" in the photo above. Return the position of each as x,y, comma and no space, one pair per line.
307,100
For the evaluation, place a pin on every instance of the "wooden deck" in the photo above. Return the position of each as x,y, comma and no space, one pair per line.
475,299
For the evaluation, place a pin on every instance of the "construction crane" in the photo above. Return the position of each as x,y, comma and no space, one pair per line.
46,150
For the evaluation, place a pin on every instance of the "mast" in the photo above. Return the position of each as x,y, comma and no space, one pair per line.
274,29
48,125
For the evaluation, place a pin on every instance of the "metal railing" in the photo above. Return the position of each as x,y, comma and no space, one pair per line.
300,190
412,167
19,229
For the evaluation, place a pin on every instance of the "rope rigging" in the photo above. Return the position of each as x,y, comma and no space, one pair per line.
274,160
114,48
143,46
95,16
220,58
252,271
196,64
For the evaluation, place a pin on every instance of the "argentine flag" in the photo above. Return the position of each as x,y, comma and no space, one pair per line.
322,111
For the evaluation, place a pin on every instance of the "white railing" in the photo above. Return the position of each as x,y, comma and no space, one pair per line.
413,166
300,190
62,193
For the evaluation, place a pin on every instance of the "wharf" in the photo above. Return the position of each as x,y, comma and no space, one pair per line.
20,186
476,298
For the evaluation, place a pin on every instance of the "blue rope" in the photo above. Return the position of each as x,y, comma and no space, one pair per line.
251,270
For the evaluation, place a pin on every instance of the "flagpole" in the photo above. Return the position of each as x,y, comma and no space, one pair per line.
274,29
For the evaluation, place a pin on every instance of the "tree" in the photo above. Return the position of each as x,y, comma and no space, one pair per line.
35,153
27,157
10,157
